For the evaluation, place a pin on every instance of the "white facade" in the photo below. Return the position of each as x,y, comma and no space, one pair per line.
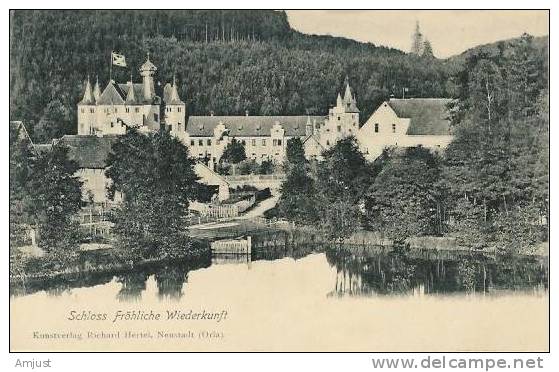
386,129
342,120
129,104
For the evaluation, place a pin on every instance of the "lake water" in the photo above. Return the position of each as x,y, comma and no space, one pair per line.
295,300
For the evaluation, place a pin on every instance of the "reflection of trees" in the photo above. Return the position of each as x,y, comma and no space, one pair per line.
170,280
275,252
61,284
377,271
133,284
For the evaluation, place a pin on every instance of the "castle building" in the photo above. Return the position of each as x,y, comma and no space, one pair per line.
406,123
129,104
342,121
102,116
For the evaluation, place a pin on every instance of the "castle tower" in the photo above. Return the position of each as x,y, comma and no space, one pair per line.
147,71
86,110
175,109
339,102
88,95
96,90
343,119
130,97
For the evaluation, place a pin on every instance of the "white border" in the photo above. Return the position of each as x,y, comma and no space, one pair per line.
257,362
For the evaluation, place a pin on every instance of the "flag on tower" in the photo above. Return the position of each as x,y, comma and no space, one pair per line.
118,59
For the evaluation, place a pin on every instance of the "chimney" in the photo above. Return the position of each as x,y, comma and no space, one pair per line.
211,112
246,112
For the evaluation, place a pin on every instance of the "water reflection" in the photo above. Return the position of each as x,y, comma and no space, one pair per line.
381,272
133,284
354,272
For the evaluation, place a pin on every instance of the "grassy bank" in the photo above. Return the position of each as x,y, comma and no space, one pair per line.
100,261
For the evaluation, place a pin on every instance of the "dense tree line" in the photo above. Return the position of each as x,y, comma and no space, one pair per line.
155,175
45,196
251,61
488,189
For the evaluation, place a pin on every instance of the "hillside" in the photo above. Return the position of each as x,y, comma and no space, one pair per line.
493,49
224,61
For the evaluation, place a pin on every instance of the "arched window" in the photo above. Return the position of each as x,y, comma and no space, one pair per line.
376,127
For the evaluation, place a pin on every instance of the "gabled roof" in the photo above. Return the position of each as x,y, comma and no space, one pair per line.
112,95
89,151
313,138
249,126
428,116
18,131
171,95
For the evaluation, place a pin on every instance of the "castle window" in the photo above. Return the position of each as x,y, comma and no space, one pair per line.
178,109
376,127
263,142
200,142
192,142
339,118
317,126
393,128
275,142
137,110
112,124
155,117
339,128
128,109
327,143
116,110
279,142
83,110
92,110
209,142
179,126
244,142
253,142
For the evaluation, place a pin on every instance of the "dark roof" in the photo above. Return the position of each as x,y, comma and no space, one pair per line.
112,95
249,126
428,116
89,151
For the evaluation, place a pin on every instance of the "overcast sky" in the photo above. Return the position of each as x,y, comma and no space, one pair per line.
450,31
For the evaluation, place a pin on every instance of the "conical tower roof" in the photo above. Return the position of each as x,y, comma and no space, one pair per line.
96,90
88,95
130,97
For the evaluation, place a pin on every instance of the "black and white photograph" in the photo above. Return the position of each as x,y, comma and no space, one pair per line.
279,180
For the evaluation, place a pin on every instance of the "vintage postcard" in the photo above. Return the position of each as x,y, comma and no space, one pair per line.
268,180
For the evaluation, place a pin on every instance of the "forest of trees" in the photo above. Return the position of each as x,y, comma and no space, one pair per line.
250,60
488,189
